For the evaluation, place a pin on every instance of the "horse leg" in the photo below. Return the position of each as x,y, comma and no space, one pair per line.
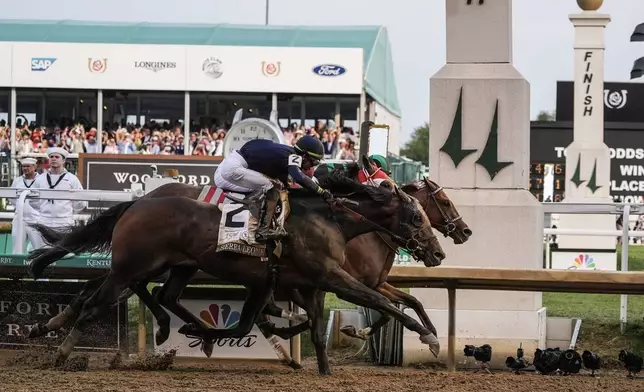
288,332
396,296
314,306
349,289
257,298
162,317
71,311
272,309
265,326
96,306
399,296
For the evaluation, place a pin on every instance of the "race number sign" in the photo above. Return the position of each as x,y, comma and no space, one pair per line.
118,172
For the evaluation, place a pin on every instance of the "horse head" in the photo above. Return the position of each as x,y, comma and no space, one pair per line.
400,215
442,213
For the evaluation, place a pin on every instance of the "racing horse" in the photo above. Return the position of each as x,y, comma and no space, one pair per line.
369,259
311,257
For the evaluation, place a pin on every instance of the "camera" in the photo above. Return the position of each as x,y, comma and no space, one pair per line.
481,354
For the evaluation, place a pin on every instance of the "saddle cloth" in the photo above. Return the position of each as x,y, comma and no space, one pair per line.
238,225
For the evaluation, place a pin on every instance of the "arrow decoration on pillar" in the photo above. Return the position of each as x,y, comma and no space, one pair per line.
592,182
576,176
453,146
489,158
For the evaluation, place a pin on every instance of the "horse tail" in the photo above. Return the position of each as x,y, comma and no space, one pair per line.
93,237
52,235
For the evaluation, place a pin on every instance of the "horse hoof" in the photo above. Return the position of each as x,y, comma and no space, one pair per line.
295,365
208,347
60,360
432,341
162,335
326,372
188,329
350,330
38,330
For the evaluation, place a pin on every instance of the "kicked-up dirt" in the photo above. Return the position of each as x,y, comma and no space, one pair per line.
32,372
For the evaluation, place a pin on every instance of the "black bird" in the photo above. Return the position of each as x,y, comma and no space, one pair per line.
570,362
632,362
591,361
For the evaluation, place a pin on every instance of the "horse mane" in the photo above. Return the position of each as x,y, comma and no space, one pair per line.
338,182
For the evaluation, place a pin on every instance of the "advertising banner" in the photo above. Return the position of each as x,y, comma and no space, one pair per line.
116,172
222,314
183,68
26,303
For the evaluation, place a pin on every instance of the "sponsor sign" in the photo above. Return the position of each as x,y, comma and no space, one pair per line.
271,69
222,314
329,70
42,63
26,303
97,65
118,172
620,102
184,68
548,145
155,66
96,262
584,261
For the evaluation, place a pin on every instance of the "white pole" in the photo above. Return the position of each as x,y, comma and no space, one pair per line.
623,309
99,119
186,123
13,137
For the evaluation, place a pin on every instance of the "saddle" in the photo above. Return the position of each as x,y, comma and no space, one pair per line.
240,215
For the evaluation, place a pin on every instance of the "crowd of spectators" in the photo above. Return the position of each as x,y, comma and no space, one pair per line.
158,138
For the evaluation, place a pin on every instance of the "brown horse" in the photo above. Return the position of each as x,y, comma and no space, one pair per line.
370,267
311,257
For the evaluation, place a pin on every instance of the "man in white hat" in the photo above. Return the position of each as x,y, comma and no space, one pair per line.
57,213
29,215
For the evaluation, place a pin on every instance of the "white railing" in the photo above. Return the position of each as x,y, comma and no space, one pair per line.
52,194
609,208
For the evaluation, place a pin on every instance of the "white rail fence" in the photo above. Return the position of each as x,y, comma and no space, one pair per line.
549,208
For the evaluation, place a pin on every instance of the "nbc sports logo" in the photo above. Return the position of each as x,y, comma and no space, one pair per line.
220,317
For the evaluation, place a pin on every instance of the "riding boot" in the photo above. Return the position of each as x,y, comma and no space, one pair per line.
264,231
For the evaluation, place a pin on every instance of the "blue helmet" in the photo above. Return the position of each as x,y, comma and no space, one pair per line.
311,146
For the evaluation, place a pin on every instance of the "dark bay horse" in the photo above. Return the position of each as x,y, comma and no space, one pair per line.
311,259
369,259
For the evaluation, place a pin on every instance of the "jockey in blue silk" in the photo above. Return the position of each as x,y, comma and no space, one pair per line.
251,168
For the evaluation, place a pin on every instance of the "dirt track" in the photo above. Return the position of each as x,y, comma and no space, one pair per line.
267,377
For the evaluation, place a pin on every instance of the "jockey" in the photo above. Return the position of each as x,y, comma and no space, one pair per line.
381,162
251,168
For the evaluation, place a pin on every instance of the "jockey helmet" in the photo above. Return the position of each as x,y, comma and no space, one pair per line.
380,161
311,146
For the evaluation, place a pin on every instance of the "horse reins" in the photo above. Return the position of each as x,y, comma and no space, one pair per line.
410,245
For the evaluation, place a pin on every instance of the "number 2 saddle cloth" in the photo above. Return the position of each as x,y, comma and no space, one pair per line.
238,225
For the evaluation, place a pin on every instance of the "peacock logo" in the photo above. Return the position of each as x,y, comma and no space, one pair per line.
584,261
220,317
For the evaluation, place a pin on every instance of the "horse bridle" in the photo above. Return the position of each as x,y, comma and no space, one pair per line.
450,224
409,245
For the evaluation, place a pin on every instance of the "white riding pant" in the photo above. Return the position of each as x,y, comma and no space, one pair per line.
234,175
